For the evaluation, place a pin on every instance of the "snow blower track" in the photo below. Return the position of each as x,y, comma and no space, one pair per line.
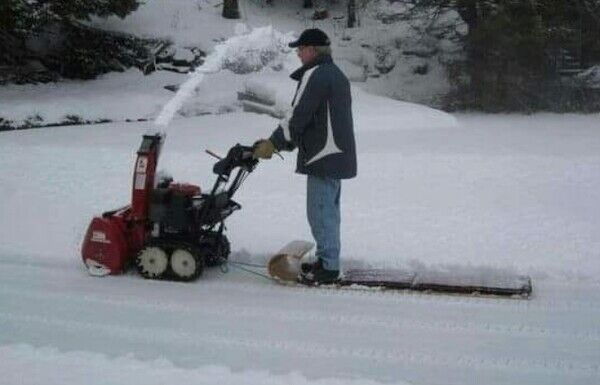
553,337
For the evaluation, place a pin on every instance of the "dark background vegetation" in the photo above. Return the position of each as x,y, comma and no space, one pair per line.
517,55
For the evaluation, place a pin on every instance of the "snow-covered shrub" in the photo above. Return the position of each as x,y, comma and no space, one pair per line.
590,77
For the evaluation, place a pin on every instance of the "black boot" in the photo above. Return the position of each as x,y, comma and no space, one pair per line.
308,267
316,274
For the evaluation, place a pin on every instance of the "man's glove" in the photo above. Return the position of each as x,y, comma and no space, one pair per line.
264,149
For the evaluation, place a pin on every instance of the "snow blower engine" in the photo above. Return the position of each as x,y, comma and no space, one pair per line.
170,230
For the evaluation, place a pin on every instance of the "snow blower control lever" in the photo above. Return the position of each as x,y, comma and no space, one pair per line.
170,230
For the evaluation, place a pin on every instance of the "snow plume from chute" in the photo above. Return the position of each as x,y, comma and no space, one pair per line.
246,52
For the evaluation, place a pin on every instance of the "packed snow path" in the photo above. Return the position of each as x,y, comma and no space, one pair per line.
248,324
518,193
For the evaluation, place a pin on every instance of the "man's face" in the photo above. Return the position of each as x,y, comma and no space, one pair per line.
306,53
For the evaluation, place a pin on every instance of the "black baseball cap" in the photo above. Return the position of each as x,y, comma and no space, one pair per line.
313,37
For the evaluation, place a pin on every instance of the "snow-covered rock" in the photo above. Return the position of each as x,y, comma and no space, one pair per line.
591,77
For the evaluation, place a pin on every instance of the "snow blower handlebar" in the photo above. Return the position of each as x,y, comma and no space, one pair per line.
238,156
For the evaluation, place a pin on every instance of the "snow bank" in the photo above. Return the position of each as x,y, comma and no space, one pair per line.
196,23
114,96
377,113
23,364
371,112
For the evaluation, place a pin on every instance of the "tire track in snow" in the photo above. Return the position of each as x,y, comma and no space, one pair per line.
381,322
407,296
223,284
68,288
384,298
395,357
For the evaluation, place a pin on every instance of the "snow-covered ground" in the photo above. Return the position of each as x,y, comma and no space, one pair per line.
485,193
198,23
492,192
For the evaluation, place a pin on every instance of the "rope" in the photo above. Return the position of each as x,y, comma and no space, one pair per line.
240,266
249,264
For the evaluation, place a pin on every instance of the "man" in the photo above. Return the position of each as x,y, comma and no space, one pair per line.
320,126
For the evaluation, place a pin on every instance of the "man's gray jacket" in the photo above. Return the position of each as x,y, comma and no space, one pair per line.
320,122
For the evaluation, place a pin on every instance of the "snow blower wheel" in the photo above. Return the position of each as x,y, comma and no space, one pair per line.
186,265
152,262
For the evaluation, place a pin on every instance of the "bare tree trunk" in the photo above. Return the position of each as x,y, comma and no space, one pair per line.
12,50
468,12
351,13
231,9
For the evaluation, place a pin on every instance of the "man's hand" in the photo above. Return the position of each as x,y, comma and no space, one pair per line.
263,149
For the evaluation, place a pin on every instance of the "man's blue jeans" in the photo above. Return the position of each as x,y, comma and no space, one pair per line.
323,212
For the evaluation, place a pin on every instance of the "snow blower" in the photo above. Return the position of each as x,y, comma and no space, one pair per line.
170,230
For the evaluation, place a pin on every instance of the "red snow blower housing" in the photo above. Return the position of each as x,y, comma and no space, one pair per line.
170,230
